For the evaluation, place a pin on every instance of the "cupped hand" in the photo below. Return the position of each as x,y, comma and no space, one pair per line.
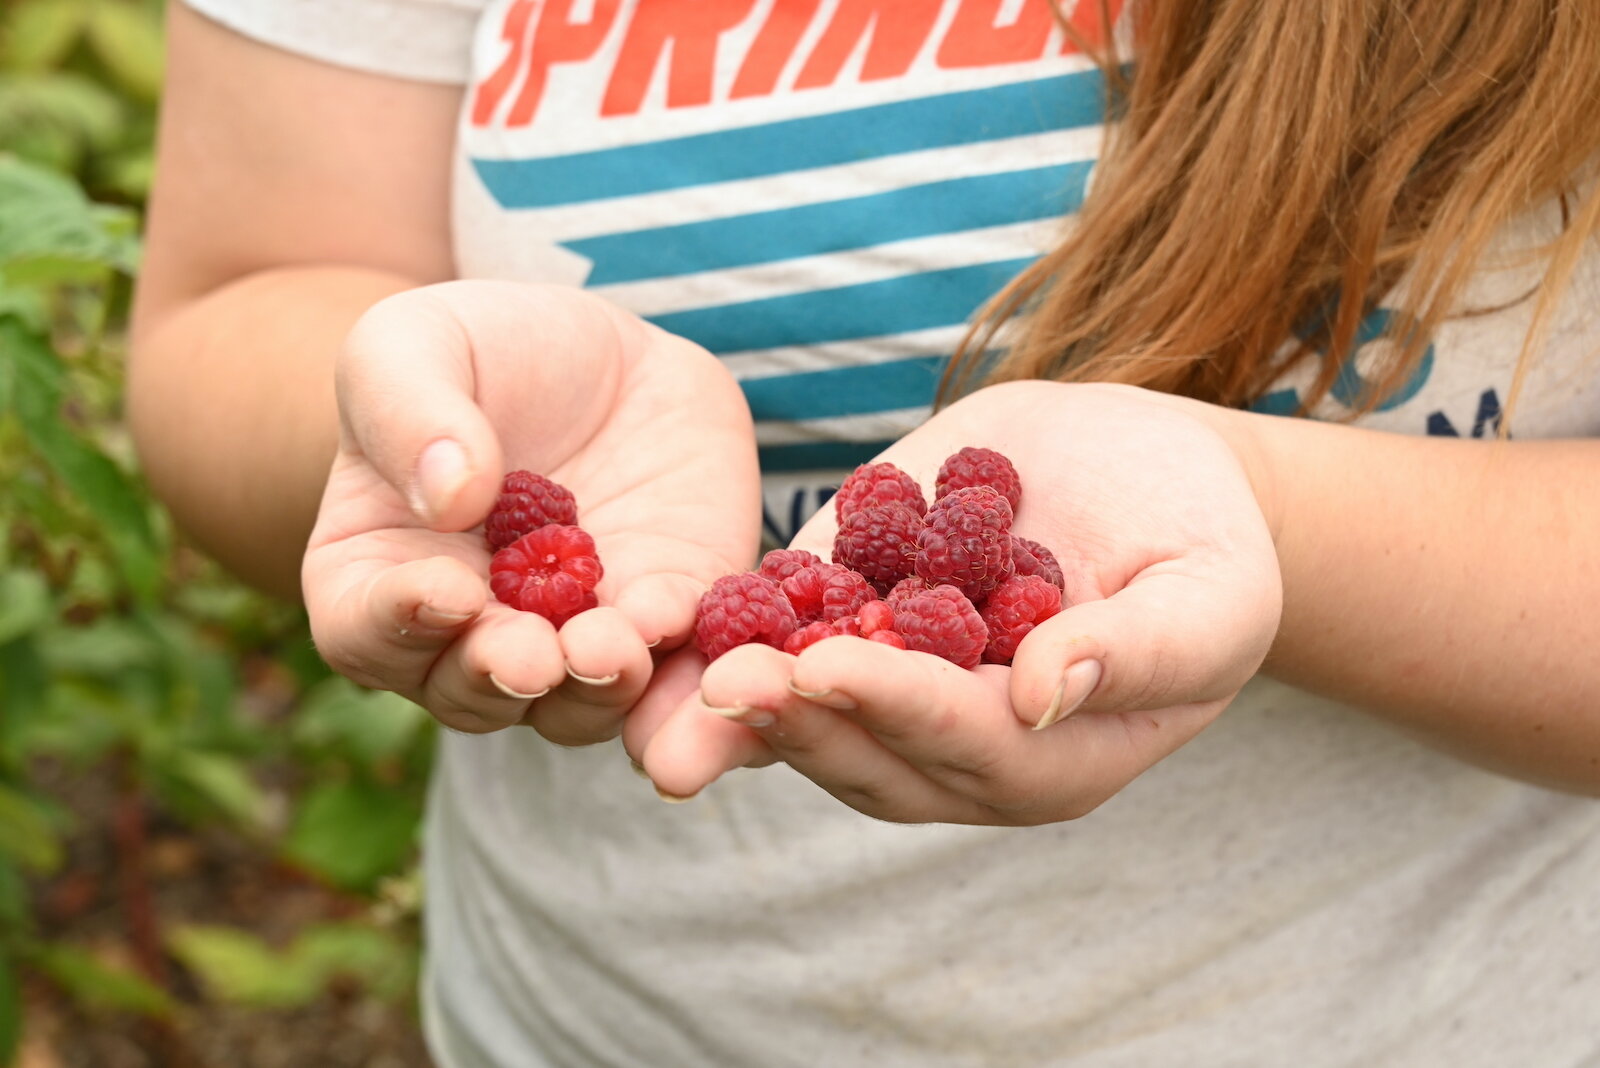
1173,594
442,390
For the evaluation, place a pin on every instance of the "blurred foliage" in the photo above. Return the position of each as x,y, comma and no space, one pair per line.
123,654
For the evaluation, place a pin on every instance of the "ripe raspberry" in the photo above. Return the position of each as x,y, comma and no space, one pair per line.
966,542
527,502
739,609
779,564
905,588
826,592
1031,558
552,571
879,542
979,467
876,484
807,636
874,617
1020,603
943,622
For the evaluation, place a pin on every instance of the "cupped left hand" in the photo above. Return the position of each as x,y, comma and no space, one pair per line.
1173,597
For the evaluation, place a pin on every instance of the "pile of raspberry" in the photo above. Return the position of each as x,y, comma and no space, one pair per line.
543,561
947,578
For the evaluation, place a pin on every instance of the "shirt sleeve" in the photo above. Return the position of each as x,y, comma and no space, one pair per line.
423,40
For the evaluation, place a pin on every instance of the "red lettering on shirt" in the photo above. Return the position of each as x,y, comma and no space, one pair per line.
899,30
1085,18
559,40
773,46
693,29
973,39
514,32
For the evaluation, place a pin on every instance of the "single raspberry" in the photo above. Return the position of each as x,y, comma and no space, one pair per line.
779,564
1019,604
807,636
826,592
943,622
551,571
906,587
874,484
879,542
1031,558
874,616
742,608
966,542
527,502
979,467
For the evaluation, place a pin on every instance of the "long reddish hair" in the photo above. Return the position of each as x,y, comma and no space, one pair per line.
1274,169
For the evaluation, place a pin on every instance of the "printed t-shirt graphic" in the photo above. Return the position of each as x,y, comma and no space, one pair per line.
821,192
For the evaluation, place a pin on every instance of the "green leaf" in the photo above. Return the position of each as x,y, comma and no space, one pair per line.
24,603
57,118
107,649
376,959
24,684
27,832
99,986
353,833
13,898
50,232
221,783
40,33
10,1011
127,37
367,725
237,967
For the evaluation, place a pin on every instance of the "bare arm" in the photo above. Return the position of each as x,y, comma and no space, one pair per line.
291,196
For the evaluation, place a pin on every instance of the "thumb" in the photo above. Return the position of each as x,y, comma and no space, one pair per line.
407,405
1169,637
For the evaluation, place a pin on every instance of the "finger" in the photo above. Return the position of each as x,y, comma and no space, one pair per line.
487,679
675,680
388,623
1170,637
407,404
696,743
661,608
607,668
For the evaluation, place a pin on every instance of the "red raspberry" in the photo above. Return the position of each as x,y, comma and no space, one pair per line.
966,542
1031,558
552,571
879,542
1020,603
874,617
740,609
979,467
875,484
826,592
943,622
779,564
905,588
527,502
807,636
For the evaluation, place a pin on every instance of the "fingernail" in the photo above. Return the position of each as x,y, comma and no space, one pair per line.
1077,683
638,769
827,698
429,616
600,680
509,692
750,717
673,799
441,470
652,645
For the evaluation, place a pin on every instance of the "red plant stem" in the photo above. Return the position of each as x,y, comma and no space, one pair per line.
138,905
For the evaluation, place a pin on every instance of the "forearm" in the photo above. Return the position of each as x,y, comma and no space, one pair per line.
1448,585
231,402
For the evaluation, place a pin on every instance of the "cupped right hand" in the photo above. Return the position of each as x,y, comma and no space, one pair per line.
444,389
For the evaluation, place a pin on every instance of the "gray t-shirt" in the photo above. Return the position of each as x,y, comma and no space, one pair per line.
821,193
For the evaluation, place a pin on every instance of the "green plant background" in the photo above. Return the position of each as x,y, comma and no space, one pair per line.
151,707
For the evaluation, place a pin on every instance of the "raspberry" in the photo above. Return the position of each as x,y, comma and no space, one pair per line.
879,542
826,592
1031,558
979,467
808,635
966,542
742,608
551,571
874,617
1018,605
943,622
527,502
905,588
779,564
877,484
